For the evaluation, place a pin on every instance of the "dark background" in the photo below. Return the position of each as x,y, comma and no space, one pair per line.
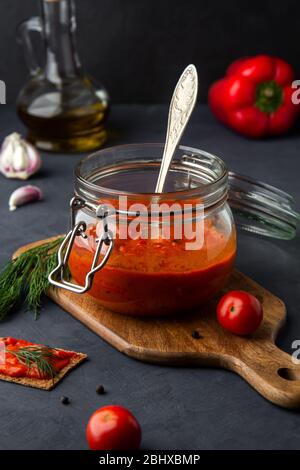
138,48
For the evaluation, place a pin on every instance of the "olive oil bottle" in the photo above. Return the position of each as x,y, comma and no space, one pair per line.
62,108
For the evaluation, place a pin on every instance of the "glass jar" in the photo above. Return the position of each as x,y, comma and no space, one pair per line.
145,254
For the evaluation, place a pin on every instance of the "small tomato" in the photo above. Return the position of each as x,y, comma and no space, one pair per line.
113,428
239,312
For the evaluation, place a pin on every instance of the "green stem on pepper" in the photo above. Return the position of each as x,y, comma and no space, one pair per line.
269,97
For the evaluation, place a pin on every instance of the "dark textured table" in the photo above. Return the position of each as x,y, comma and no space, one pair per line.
177,408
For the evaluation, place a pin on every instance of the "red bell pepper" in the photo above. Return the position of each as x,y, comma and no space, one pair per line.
255,97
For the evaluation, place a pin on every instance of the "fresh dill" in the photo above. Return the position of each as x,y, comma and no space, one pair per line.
40,357
25,278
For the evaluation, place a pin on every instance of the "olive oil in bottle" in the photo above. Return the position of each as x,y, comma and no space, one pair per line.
61,107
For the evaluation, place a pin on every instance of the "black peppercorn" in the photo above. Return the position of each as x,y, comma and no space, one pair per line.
65,400
100,390
195,334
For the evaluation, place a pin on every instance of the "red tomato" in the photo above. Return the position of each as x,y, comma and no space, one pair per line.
239,312
113,428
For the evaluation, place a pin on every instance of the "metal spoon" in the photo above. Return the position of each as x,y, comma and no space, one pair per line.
181,107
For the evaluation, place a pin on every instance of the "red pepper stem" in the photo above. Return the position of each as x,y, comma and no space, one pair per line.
269,97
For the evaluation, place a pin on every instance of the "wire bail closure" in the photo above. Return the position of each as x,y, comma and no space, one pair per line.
57,276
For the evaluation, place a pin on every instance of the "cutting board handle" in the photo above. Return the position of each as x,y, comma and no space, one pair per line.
272,373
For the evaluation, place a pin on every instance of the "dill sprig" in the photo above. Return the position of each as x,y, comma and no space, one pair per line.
40,357
25,278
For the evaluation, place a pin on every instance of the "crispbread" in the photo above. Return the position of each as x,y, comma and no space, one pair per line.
47,384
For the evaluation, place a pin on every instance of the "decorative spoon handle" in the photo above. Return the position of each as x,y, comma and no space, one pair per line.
181,107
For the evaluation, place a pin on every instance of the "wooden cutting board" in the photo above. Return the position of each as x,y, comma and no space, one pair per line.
169,341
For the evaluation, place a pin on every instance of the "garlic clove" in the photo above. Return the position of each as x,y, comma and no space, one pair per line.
24,195
18,158
6,152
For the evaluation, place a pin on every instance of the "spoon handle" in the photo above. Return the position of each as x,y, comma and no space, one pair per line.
181,107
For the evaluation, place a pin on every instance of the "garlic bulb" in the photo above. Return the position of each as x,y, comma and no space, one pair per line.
18,158
24,195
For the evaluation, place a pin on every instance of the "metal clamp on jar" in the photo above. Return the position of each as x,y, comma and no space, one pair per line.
78,230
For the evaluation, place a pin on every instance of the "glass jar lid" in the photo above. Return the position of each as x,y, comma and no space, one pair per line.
262,209
258,208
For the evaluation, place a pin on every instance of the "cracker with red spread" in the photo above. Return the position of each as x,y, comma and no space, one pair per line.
35,365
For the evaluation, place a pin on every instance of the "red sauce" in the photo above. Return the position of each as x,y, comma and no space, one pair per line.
13,368
147,277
